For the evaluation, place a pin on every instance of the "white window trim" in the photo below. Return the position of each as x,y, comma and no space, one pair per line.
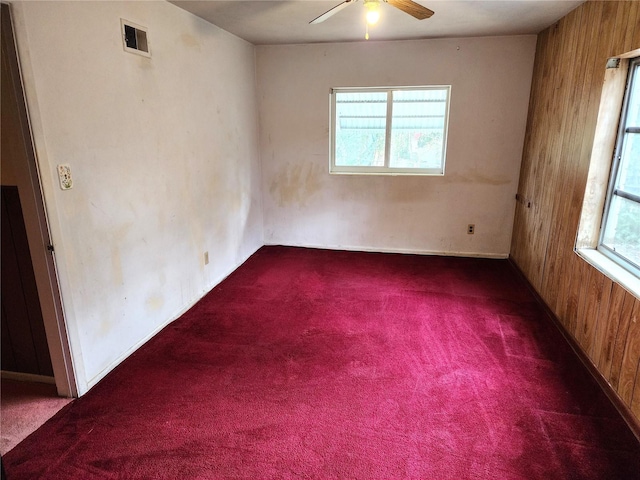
385,170
588,234
624,263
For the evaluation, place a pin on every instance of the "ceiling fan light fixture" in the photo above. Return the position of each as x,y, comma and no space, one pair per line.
373,11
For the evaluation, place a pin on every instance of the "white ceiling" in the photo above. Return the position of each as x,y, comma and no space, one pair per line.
267,22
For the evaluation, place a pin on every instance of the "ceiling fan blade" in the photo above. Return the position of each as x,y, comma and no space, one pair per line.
331,12
412,8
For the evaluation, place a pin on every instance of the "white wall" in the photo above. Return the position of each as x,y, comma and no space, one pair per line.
304,205
164,156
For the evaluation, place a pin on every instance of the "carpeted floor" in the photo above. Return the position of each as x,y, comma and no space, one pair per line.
25,406
322,364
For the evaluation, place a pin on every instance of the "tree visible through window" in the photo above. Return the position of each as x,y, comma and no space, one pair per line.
389,130
620,233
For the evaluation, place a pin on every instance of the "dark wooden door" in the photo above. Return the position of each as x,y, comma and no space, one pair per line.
24,343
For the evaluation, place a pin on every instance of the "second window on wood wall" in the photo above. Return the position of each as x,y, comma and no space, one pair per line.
620,232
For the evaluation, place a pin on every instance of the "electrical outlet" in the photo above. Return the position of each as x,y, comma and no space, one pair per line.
206,258
471,229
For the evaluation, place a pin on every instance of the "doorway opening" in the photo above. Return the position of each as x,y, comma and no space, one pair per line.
21,183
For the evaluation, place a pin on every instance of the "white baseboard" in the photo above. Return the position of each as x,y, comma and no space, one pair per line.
407,251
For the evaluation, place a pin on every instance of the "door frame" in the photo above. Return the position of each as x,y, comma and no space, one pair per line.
41,248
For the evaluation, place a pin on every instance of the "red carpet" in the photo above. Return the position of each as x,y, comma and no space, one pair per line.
321,364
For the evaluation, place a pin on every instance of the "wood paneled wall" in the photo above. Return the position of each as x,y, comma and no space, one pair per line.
602,317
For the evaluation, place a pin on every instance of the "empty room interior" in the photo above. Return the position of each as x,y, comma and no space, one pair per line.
276,239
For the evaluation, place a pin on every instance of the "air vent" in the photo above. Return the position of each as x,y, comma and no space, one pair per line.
134,38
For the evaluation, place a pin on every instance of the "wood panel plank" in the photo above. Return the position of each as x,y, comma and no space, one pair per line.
631,356
537,87
583,294
570,320
619,34
632,21
591,311
544,172
609,335
522,232
575,52
546,180
635,41
603,319
621,339
537,158
635,402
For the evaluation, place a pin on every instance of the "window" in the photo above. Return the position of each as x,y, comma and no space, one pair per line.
620,232
397,130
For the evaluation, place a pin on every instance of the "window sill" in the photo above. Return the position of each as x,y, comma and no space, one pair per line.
611,269
393,173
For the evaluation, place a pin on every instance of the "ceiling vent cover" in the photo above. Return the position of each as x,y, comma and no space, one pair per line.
134,38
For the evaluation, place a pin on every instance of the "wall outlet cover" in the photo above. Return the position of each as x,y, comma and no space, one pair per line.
64,174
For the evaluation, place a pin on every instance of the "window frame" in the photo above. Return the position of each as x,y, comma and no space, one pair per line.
386,169
633,77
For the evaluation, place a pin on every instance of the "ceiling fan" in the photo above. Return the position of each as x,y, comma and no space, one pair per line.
408,6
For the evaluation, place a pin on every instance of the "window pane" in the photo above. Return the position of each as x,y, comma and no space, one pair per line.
629,169
622,231
633,115
629,174
417,128
360,128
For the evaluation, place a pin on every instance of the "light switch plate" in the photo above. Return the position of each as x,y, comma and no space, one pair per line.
64,174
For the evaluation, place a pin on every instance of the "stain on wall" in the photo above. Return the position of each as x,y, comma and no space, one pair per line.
296,184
